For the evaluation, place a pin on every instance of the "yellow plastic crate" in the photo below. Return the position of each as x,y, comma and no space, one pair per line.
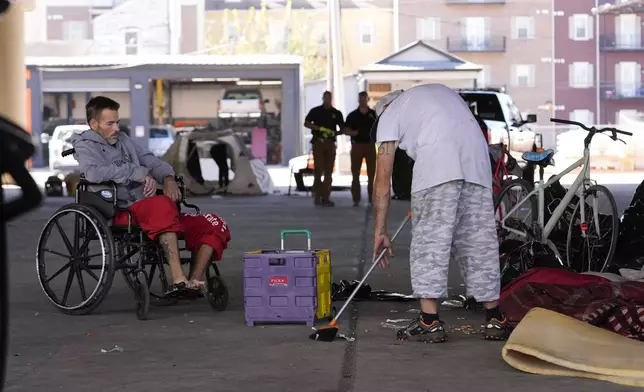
324,283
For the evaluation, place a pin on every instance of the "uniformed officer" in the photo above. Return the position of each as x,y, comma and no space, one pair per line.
358,125
325,123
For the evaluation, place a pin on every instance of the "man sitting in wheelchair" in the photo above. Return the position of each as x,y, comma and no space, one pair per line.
105,154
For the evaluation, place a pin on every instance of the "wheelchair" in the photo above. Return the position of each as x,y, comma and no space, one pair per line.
124,248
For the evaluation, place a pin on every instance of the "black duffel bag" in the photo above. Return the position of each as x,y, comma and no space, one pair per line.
402,175
403,169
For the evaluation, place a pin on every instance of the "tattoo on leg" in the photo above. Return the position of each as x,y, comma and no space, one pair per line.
166,248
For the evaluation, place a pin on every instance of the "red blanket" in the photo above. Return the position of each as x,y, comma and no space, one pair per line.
618,307
552,276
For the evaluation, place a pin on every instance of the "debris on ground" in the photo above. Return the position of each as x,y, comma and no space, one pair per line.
113,349
395,324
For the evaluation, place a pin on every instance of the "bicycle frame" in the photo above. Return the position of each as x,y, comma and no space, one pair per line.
582,179
500,171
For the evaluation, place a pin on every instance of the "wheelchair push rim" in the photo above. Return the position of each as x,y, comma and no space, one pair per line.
88,227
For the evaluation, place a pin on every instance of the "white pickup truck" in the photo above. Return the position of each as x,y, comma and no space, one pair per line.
241,103
503,118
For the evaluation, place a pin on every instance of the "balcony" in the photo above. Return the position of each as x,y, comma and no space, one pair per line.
621,43
612,92
474,1
475,44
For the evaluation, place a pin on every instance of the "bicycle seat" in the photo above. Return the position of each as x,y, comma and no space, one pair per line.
538,157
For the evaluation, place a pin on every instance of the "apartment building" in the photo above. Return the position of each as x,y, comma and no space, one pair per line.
71,28
366,27
113,27
621,56
510,39
599,62
62,27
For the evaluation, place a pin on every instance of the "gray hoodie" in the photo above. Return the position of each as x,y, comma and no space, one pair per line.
125,163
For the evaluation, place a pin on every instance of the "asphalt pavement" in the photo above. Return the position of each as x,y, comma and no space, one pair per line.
189,346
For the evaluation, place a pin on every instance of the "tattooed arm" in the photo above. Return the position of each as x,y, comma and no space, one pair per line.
382,198
382,185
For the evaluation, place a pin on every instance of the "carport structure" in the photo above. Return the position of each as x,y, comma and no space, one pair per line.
134,74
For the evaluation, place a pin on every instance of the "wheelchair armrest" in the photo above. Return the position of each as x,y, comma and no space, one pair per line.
105,183
194,207
129,217
182,186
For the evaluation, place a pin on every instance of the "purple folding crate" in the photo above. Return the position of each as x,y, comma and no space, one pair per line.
280,287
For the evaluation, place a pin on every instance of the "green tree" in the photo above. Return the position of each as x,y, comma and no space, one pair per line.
252,37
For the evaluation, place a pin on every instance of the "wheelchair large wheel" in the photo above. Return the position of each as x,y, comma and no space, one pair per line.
77,241
217,291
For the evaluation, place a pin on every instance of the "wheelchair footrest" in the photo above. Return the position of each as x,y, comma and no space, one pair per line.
185,294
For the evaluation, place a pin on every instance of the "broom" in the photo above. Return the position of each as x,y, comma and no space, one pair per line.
328,332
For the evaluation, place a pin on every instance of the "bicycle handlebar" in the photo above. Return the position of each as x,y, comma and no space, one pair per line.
614,131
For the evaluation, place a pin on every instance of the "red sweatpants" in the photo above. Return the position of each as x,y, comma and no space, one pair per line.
159,214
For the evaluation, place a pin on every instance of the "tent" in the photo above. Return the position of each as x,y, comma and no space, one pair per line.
248,175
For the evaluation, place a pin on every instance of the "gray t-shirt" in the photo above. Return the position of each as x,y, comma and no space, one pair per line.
436,128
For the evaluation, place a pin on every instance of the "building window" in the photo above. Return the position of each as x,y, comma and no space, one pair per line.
583,116
428,29
523,75
320,32
628,79
131,42
580,27
366,33
484,77
476,32
231,32
581,75
523,27
277,32
75,31
628,31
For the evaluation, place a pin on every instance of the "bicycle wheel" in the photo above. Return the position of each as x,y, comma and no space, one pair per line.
594,251
511,194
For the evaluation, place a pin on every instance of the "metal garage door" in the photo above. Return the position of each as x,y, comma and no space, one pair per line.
86,85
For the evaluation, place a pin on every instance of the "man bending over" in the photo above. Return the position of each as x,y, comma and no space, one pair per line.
105,154
451,202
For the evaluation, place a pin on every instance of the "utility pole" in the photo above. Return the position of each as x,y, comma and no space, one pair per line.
342,157
396,26
336,40
598,67
329,47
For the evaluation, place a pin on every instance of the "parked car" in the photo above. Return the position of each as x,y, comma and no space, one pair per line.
59,143
161,138
503,118
242,103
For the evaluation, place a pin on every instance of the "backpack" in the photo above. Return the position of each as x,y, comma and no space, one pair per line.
402,174
630,243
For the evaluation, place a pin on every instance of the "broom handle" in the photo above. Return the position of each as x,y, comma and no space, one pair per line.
364,278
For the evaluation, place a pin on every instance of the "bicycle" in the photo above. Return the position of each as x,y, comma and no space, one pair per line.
583,189
503,166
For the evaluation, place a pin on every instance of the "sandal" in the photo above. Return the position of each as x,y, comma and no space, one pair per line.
182,290
195,284
175,288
